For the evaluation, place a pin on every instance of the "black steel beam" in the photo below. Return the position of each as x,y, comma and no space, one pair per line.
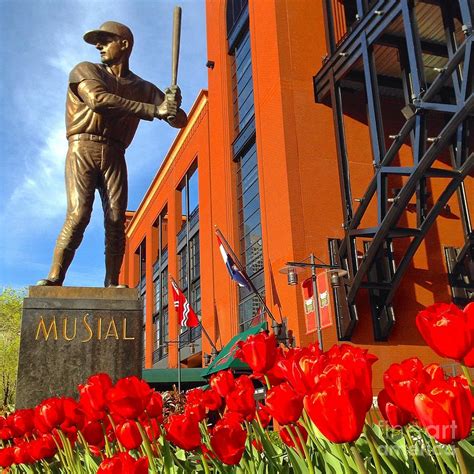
426,225
406,193
349,51
329,26
392,152
428,47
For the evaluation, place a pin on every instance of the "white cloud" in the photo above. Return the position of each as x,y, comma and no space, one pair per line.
41,195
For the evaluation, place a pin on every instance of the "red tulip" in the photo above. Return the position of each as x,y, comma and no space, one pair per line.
42,448
129,435
228,441
465,384
395,416
444,409
62,413
405,380
49,414
152,428
259,351
469,357
123,463
351,366
300,368
234,416
241,399
6,457
263,415
129,397
21,422
337,412
154,408
212,400
183,431
195,410
195,404
284,404
6,433
92,396
21,453
74,417
286,438
93,433
222,382
447,330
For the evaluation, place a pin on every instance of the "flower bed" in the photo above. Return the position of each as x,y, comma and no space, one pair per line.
318,416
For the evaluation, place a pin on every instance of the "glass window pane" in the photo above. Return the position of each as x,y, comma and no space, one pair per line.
193,191
250,193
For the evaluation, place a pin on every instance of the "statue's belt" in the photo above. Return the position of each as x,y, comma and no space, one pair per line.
96,138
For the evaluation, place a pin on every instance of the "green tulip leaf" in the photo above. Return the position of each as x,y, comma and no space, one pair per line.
297,462
333,464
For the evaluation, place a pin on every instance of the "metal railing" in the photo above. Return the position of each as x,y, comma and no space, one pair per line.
161,352
189,336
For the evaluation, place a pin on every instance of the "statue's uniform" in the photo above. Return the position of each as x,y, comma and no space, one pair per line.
101,120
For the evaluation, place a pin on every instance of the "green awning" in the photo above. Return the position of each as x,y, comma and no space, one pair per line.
225,359
170,376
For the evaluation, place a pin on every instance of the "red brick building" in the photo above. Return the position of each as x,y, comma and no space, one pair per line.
283,175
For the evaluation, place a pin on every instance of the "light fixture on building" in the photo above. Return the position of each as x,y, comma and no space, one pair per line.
210,64
291,273
337,276
292,268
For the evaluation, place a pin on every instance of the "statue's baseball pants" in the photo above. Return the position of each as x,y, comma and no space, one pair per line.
92,165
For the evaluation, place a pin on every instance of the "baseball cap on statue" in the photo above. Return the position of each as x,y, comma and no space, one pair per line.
109,28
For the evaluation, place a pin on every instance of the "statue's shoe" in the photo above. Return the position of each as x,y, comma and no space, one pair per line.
46,282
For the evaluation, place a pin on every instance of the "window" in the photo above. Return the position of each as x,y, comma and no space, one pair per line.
188,250
242,91
160,290
245,156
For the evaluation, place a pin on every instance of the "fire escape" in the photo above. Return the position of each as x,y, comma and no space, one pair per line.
421,55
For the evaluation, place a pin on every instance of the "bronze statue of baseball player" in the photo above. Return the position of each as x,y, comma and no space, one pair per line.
105,103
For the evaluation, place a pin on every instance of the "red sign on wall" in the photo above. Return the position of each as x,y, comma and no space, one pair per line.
308,302
324,300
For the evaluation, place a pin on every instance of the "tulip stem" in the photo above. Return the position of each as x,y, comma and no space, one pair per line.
114,427
438,457
373,451
147,446
410,441
267,381
460,459
249,431
308,424
342,455
297,447
467,374
204,464
358,459
305,449
108,449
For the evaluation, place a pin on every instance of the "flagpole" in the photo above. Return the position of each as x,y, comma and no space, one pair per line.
179,365
242,269
208,337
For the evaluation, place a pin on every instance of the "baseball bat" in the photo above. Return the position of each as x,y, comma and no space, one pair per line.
176,40
176,43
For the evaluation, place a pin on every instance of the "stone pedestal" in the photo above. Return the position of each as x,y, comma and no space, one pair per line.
69,333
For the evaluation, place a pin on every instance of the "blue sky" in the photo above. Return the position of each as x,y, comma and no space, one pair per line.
40,42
